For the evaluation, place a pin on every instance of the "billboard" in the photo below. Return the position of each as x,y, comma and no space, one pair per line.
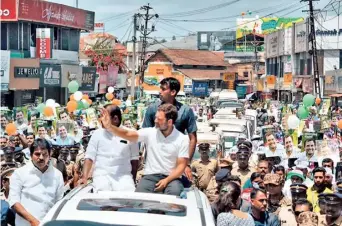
216,40
261,26
43,40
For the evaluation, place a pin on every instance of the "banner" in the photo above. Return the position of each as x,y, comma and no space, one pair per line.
5,66
8,10
26,72
112,75
50,75
88,79
200,89
287,80
307,85
103,81
52,13
43,43
271,81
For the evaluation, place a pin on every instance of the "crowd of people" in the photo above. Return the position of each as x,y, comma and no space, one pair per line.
279,180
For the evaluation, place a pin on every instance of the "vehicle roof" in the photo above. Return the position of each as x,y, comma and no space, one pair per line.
230,128
228,121
70,212
207,137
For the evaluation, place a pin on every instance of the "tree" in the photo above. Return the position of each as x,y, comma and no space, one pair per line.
103,54
163,40
173,37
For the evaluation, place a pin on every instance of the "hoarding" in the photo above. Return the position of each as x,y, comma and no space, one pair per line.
8,10
200,89
216,40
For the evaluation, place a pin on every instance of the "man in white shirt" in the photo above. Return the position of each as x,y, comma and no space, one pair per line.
35,187
167,151
309,153
273,148
290,151
111,157
64,138
20,122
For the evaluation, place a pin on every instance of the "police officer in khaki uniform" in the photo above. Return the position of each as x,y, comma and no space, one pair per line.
243,170
221,176
286,215
205,168
308,219
333,212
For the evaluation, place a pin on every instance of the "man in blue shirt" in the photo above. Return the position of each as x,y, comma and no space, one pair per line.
258,209
186,121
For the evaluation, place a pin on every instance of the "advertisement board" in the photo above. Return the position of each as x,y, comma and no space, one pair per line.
26,72
272,45
265,25
8,10
5,66
50,75
57,14
112,75
43,43
158,71
200,89
301,37
216,40
88,79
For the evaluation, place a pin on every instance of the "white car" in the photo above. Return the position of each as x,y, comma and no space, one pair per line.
84,207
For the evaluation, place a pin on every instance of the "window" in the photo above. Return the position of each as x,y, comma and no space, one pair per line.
132,205
13,36
3,36
281,69
24,43
65,39
74,40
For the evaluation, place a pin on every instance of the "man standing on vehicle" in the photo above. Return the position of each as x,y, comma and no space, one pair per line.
166,147
186,122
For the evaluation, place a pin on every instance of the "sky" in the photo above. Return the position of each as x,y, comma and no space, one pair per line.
118,14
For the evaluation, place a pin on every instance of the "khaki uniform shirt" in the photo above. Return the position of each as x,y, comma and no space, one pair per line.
286,216
211,191
243,174
205,171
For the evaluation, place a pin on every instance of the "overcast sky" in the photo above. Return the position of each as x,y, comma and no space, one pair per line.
110,12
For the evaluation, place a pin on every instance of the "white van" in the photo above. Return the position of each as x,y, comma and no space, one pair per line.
228,95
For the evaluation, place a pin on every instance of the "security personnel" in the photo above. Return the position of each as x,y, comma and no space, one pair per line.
221,176
9,161
339,186
333,209
205,167
242,169
286,215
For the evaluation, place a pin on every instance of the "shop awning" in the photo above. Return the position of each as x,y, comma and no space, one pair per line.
196,74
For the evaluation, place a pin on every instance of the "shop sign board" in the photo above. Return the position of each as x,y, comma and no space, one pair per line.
26,72
57,14
88,78
200,89
43,43
50,75
8,10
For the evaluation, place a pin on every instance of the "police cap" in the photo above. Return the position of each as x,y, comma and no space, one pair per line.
203,146
298,188
245,143
335,198
222,174
8,150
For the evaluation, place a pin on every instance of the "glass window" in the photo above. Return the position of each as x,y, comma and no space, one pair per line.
13,36
340,59
74,40
3,36
24,30
132,205
309,65
65,39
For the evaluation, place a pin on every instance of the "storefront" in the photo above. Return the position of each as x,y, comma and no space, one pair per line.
24,81
6,95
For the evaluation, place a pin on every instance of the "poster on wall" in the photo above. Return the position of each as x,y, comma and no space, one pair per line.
43,43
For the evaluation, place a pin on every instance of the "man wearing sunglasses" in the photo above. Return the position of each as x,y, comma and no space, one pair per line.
243,170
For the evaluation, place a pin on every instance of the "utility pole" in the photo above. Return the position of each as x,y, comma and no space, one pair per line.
145,32
134,39
313,51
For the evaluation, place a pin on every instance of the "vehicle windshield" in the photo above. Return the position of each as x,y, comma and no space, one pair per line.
79,223
132,205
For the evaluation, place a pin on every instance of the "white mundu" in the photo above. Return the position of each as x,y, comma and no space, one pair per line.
111,157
